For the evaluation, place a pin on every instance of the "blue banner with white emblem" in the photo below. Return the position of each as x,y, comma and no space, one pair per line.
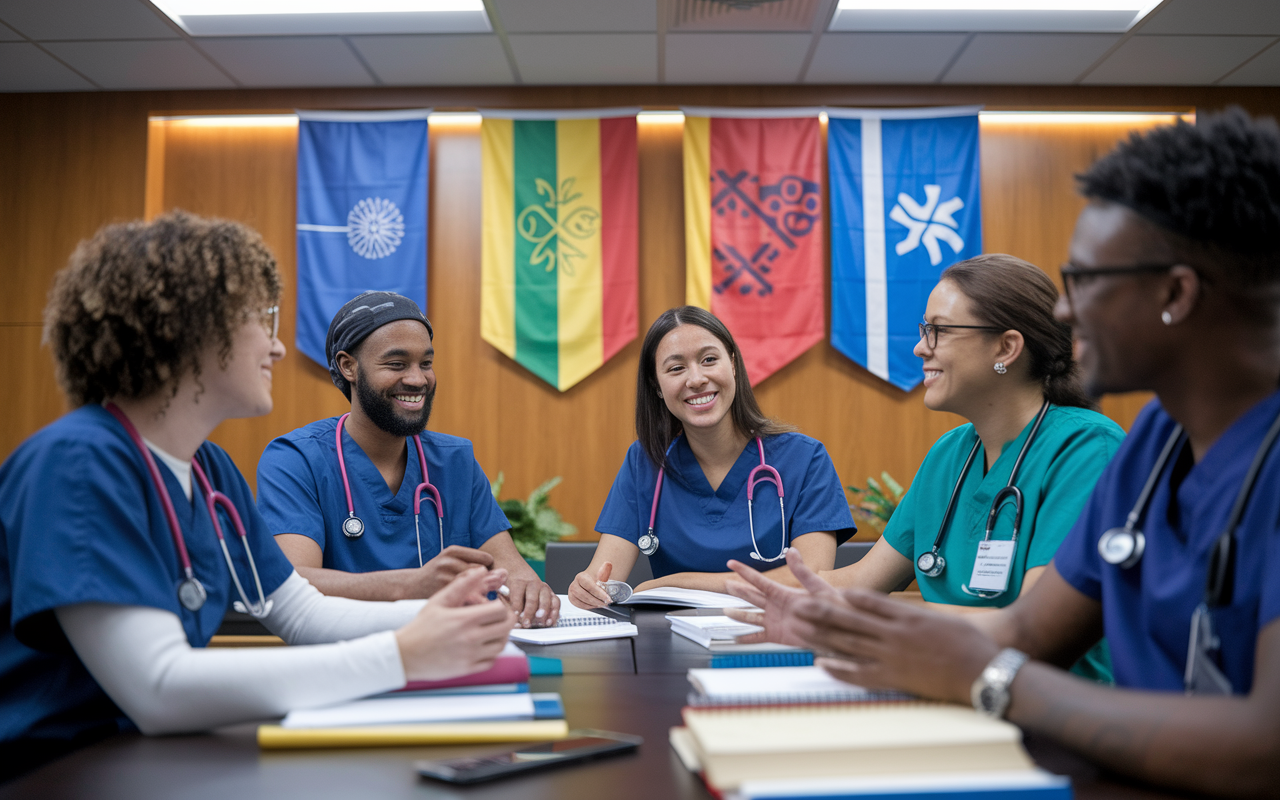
905,204
362,213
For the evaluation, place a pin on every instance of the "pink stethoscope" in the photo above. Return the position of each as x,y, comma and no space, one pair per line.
353,526
648,543
191,593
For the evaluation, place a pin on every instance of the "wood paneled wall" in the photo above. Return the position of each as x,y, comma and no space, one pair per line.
70,163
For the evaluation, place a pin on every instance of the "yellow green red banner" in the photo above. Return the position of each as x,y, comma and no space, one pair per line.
560,240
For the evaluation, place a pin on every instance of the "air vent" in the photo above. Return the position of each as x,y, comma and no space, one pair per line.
742,15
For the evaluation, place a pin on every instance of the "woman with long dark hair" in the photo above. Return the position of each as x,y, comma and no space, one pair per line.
710,478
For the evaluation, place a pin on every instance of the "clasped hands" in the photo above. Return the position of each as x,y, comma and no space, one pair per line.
864,637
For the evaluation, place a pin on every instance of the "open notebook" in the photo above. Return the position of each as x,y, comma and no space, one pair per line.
575,625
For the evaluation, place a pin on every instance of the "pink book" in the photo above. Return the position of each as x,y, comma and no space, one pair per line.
512,666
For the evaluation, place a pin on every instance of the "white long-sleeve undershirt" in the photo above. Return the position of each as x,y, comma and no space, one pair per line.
141,658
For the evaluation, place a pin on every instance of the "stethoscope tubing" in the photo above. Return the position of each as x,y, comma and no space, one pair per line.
425,486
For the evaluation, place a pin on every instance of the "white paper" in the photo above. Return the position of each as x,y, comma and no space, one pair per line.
581,633
688,598
991,567
811,683
407,710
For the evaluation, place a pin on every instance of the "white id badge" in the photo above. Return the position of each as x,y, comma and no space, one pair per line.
991,567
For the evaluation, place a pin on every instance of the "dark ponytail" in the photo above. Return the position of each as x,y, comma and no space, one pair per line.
1009,293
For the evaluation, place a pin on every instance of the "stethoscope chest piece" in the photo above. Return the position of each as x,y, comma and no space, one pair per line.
648,543
353,527
1122,547
192,594
931,563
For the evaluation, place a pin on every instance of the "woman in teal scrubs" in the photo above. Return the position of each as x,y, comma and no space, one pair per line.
993,354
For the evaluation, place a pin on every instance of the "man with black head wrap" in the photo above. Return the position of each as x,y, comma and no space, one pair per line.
359,518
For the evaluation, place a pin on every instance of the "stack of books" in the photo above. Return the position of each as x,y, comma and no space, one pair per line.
717,633
769,734
491,706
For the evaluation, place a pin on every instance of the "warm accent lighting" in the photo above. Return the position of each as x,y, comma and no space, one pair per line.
459,118
1091,16
303,17
661,117
234,121
1083,118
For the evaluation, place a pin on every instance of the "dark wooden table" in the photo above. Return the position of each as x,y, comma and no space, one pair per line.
641,695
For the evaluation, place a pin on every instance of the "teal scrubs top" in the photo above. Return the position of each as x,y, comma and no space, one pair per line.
1056,478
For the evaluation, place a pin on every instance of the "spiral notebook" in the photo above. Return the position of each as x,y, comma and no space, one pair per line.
575,625
773,686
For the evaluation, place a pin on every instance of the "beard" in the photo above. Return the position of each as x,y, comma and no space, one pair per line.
382,411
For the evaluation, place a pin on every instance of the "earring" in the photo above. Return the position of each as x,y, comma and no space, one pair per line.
1001,368
1166,317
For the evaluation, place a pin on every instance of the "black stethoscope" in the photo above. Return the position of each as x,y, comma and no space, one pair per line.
1123,547
762,473
353,526
191,592
932,564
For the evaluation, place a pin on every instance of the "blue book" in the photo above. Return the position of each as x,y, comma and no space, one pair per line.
795,658
1032,784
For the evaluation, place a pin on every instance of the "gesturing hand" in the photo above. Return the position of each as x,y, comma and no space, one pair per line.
777,601
458,632
440,571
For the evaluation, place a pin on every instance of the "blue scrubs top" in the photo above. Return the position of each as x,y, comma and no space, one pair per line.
81,522
699,530
300,491
1147,608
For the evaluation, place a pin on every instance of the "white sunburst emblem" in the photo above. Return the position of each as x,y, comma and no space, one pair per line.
375,228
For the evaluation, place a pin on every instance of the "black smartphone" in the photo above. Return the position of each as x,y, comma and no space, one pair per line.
581,745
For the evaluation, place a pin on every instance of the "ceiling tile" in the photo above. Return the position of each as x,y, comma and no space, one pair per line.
1215,16
1176,60
141,65
735,57
882,57
45,20
309,61
435,60
1261,71
8,34
569,16
586,58
1047,58
24,68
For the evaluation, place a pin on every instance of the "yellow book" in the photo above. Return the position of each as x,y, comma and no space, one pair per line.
734,745
274,737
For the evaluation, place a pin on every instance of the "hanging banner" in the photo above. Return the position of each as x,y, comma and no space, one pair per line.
753,228
560,246
905,205
362,213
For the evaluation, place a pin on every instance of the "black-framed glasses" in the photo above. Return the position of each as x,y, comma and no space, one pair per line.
1073,275
271,320
929,332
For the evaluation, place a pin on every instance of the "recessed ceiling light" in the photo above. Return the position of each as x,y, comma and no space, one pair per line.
314,17
1088,16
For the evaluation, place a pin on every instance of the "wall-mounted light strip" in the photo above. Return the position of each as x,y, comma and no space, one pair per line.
1083,117
233,121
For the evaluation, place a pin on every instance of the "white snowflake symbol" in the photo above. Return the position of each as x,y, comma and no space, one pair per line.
375,227
928,223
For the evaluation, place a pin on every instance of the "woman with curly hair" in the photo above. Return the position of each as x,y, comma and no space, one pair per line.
125,536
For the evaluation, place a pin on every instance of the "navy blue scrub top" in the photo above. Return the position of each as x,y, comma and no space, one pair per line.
699,530
1147,609
81,522
300,491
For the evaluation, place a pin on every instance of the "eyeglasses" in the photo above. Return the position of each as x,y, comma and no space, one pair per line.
271,321
1073,275
929,332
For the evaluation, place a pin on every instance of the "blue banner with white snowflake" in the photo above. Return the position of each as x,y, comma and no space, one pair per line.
362,213
905,204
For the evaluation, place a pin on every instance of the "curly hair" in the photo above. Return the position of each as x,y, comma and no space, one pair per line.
1216,183
140,303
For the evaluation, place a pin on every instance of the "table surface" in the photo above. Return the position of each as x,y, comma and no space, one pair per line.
634,686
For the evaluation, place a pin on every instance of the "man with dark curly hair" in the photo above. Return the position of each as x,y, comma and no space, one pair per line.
373,506
1173,287
125,536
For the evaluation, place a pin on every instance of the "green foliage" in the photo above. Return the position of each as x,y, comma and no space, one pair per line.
873,504
533,522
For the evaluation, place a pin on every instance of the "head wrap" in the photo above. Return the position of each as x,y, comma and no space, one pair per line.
361,316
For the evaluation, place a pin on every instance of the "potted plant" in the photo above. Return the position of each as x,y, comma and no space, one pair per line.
533,522
873,504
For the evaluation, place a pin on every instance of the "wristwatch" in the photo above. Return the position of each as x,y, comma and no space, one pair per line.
990,692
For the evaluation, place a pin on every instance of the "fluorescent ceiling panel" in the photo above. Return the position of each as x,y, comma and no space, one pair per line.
1084,16
313,17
